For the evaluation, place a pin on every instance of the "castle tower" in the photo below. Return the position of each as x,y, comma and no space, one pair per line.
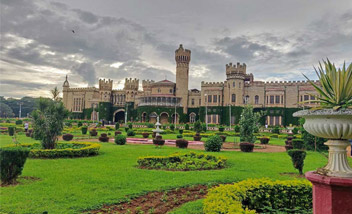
235,81
182,57
131,89
105,90
65,88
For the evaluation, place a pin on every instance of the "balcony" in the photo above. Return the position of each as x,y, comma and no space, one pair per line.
160,100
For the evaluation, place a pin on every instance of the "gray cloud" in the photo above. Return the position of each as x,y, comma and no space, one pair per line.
87,71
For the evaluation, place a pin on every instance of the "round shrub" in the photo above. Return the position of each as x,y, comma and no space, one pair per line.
130,126
79,124
237,128
297,157
186,127
182,162
18,122
158,141
67,137
179,136
131,133
145,134
63,150
246,147
117,133
264,140
12,160
120,139
221,129
213,144
117,126
126,129
295,130
181,143
84,129
297,143
11,130
104,137
93,132
172,127
180,131
204,127
260,196
223,138
275,130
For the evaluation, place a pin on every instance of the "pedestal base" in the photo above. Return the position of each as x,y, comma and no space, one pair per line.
331,195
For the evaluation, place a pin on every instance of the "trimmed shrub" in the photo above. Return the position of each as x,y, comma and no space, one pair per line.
117,133
104,137
18,122
120,139
260,196
130,125
158,141
246,147
213,144
275,130
223,138
182,162
179,136
186,127
11,130
172,127
264,140
297,143
288,147
84,129
79,124
297,157
150,125
180,131
12,160
63,150
126,129
131,133
67,137
237,128
274,136
197,137
181,143
93,132
204,127
221,129
117,126
145,134
197,126
295,130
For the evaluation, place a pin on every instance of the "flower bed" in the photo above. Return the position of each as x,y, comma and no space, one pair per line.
182,162
63,150
260,196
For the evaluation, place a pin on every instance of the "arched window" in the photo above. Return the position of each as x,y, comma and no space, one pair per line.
234,84
159,90
246,99
256,99
192,117
233,98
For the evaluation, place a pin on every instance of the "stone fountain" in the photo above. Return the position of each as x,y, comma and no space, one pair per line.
157,131
158,141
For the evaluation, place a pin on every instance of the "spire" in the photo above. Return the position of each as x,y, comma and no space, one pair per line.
66,84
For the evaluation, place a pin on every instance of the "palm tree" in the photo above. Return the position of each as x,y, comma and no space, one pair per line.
55,93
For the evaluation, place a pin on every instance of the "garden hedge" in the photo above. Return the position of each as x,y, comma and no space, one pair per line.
260,196
12,160
87,149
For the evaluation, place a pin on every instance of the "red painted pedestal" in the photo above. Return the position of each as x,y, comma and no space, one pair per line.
331,195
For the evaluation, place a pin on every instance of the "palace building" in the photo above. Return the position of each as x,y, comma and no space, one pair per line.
216,102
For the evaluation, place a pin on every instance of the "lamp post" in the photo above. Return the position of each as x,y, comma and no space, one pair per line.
229,106
126,114
20,111
206,110
175,112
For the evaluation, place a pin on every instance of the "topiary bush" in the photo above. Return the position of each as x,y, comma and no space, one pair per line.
246,147
213,144
179,136
67,137
120,139
186,127
221,129
237,128
130,125
223,138
18,122
260,196
11,130
158,141
181,143
131,133
182,162
117,126
197,137
297,143
275,130
264,140
79,124
84,129
204,127
104,137
197,126
180,131
93,132
295,130
126,129
249,123
172,127
12,160
297,157
145,134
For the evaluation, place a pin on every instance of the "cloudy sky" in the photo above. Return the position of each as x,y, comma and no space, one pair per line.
278,40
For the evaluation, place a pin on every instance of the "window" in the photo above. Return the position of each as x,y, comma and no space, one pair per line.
306,97
239,85
233,98
312,97
214,118
234,84
209,119
215,98
192,117
246,98
256,99
159,90
271,120
277,120
271,99
209,98
170,91
192,102
277,99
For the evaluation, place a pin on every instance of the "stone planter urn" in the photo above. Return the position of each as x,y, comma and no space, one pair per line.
332,185
337,127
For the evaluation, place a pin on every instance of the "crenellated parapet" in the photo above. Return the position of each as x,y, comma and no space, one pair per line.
289,83
235,69
182,56
105,85
131,84
212,84
87,89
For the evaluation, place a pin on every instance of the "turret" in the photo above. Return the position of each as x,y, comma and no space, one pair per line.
182,57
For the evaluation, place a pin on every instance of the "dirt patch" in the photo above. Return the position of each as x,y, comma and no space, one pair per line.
292,174
157,202
21,180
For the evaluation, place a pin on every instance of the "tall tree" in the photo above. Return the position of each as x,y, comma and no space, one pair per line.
5,110
55,94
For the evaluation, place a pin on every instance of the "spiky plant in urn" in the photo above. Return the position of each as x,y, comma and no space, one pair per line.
333,118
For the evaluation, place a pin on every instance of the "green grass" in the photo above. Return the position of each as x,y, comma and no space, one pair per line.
73,185
193,207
